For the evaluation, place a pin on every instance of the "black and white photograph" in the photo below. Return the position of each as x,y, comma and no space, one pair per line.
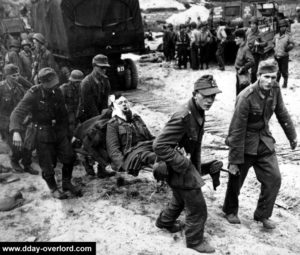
150,127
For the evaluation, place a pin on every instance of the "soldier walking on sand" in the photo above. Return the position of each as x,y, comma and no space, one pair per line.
46,104
251,144
185,130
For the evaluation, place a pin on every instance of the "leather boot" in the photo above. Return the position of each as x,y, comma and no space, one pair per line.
16,166
233,218
88,167
55,192
267,223
103,172
204,247
66,181
30,170
285,81
176,227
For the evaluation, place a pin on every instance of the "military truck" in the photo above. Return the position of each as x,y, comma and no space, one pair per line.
239,12
77,30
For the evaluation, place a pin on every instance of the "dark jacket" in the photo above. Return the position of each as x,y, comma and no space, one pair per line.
183,130
244,58
94,97
48,112
10,95
12,57
250,122
44,58
123,137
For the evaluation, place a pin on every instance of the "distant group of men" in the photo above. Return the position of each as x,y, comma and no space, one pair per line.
47,116
192,43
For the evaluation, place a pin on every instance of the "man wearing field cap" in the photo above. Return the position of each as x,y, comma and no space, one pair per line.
251,143
11,92
283,44
184,132
46,104
71,93
95,89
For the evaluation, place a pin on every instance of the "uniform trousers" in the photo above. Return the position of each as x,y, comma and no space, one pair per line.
267,172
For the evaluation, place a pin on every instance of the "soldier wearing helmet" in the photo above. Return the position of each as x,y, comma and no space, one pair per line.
26,58
71,93
42,56
256,43
95,89
46,105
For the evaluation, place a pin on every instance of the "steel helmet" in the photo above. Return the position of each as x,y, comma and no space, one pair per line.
39,37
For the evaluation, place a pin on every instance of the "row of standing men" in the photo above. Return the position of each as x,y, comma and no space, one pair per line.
193,43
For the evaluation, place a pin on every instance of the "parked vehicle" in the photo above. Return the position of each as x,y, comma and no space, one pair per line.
77,30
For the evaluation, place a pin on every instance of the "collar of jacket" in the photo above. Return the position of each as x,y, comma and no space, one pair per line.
259,90
197,114
243,44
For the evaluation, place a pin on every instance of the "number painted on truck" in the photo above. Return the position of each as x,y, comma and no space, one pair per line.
120,69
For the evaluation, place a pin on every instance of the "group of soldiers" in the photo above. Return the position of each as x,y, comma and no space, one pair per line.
193,43
54,118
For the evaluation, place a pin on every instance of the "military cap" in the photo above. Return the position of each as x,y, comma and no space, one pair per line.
283,23
170,25
240,33
76,75
25,42
15,43
48,77
267,66
100,60
10,69
254,20
206,85
39,37
298,9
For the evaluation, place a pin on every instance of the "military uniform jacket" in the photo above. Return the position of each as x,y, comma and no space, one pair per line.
244,58
122,137
182,39
44,58
250,122
48,111
183,130
12,57
71,93
253,36
94,96
283,44
10,95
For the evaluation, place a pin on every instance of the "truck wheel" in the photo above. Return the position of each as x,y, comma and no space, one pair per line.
131,74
